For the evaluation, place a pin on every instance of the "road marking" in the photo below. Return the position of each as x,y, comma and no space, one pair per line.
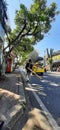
46,112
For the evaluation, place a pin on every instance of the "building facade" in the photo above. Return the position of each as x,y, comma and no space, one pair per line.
56,60
2,63
53,61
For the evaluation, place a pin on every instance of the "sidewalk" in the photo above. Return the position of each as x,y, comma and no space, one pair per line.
12,98
53,72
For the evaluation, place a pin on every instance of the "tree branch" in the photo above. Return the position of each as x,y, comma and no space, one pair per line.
18,42
12,42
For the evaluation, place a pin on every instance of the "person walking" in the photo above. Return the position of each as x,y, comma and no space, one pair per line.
28,68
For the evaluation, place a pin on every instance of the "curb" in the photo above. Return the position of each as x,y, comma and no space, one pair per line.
13,116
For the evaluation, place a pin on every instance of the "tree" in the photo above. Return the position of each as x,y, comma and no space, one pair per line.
32,24
50,57
24,50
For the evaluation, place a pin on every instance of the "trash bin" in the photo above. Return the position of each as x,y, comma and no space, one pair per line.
9,65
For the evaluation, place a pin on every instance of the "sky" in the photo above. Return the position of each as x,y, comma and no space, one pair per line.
51,39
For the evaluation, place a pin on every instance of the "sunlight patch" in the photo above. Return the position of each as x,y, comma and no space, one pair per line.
45,81
54,84
30,89
42,93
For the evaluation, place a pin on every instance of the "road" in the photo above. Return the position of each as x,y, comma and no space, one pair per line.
45,94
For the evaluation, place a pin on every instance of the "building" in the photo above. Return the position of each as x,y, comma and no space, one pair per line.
2,34
56,59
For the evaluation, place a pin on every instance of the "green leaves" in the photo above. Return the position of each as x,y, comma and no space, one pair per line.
32,24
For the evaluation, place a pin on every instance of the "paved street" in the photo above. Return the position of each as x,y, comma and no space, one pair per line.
48,91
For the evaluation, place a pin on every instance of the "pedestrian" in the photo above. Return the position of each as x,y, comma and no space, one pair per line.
29,66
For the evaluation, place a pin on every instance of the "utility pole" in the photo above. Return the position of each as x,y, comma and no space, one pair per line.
44,57
51,53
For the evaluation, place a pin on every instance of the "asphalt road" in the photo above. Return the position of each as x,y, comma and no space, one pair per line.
45,94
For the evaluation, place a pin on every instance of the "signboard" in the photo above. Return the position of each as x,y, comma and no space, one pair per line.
57,57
